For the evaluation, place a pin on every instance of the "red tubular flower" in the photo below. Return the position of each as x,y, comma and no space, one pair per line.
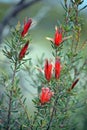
26,27
57,68
45,95
48,70
58,36
73,85
23,50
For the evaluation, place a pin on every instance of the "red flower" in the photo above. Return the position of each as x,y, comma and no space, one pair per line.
58,36
45,95
26,27
48,70
73,84
23,50
57,68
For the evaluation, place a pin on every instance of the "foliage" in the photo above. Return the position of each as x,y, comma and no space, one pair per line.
61,101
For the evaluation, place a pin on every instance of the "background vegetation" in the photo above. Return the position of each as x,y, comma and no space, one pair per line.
45,14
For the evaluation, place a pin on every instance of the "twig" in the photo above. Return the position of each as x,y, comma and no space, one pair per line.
52,114
10,99
9,111
53,110
83,8
21,1
25,111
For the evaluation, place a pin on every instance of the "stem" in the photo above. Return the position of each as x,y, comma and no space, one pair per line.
54,110
9,111
10,99
52,114
78,32
56,51
25,111
35,117
76,18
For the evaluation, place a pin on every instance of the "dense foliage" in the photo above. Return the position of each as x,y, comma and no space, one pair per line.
61,102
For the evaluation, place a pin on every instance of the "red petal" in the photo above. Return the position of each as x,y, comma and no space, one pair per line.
45,95
57,68
58,37
74,83
48,70
26,27
23,50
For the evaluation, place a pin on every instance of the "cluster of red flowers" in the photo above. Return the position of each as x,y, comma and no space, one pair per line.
23,33
46,93
48,69
57,40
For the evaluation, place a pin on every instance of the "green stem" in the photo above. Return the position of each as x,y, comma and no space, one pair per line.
10,99
9,111
54,110
56,51
25,112
52,114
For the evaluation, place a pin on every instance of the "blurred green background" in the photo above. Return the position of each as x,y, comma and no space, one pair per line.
46,14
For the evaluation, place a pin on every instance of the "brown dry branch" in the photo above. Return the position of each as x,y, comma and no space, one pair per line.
14,12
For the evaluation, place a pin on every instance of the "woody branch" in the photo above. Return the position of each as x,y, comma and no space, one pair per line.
14,12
